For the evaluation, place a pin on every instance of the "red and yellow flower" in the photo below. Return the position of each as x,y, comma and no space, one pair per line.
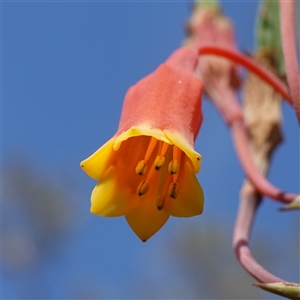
146,171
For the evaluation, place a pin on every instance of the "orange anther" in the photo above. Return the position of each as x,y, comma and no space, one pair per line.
160,201
173,190
158,163
141,168
142,188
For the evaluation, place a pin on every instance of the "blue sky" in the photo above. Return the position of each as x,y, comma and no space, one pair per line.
65,69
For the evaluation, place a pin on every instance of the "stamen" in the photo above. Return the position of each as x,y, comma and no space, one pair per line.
173,167
163,174
160,159
152,170
150,148
177,153
173,190
160,201
142,188
161,182
141,168
158,163
164,149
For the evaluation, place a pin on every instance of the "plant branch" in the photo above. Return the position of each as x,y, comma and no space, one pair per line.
249,203
225,100
251,65
261,184
262,130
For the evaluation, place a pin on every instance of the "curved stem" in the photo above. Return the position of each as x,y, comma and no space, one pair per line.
225,100
261,184
287,27
249,203
251,65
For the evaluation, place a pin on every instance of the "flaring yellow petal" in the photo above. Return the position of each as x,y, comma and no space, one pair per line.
190,199
109,199
145,220
96,164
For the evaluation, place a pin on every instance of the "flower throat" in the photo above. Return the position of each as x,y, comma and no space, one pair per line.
157,169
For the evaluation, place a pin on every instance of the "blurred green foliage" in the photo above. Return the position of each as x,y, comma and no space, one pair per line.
268,31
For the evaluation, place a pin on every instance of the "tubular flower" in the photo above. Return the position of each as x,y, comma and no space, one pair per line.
146,171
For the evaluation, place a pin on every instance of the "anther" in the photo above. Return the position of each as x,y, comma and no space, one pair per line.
160,202
173,167
142,188
141,168
173,190
158,163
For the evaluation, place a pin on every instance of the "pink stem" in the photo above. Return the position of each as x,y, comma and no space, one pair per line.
225,100
261,184
251,65
287,26
241,235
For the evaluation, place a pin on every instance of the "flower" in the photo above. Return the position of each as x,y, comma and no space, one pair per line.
146,171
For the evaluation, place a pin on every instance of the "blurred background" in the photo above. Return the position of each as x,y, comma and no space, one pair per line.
66,68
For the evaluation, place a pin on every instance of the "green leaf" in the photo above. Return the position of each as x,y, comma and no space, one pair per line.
293,205
285,289
268,31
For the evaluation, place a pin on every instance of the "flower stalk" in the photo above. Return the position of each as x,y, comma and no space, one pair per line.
248,63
